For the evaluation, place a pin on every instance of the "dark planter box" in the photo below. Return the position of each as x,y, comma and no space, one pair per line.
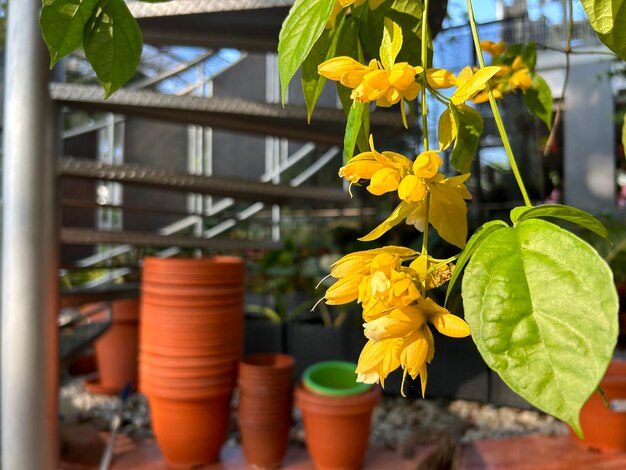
263,336
309,341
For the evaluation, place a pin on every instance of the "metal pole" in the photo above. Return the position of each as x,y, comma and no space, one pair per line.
29,250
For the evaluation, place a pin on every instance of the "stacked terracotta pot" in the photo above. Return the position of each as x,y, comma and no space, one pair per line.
191,337
264,410
116,350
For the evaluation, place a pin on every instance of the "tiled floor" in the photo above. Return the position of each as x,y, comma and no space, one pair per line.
540,453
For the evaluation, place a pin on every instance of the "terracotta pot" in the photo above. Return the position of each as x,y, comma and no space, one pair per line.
163,290
264,443
208,279
190,433
172,392
264,409
228,267
337,427
165,335
169,301
192,362
605,428
208,383
229,349
117,349
184,372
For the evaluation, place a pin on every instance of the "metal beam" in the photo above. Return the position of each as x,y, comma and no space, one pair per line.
29,250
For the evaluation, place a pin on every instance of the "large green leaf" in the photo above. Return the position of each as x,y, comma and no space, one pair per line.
469,127
112,44
475,240
538,100
62,24
324,49
542,309
558,211
302,27
405,13
608,19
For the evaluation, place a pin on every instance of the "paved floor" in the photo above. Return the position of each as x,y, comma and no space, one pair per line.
537,453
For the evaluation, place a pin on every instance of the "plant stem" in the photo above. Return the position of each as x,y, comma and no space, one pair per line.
425,130
495,110
559,109
425,67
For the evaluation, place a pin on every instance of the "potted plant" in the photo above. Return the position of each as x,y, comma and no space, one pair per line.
336,411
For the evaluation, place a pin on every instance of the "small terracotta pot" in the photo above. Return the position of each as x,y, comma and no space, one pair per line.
605,428
190,433
264,409
337,427
117,349
264,443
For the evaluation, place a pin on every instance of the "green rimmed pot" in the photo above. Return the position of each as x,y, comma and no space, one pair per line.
333,378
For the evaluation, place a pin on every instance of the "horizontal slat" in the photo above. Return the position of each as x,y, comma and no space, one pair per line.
212,185
326,128
82,236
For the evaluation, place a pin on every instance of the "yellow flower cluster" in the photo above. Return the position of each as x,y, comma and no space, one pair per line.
374,82
413,180
515,76
395,313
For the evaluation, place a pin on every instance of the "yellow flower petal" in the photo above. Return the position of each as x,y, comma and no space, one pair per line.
335,68
343,291
427,164
412,189
362,166
450,325
440,78
384,181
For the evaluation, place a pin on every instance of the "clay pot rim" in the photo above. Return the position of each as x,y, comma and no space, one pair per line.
167,302
126,314
209,309
340,405
187,401
188,264
209,359
185,384
264,362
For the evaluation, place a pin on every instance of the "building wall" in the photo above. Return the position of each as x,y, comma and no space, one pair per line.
588,130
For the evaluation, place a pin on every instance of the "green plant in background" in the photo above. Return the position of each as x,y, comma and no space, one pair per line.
539,301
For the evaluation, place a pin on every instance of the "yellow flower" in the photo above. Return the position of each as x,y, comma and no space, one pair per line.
493,48
433,273
401,338
354,269
448,211
440,78
385,82
384,170
520,77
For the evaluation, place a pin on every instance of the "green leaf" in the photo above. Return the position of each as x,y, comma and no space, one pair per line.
529,56
112,44
474,84
542,309
303,26
608,19
469,125
62,24
474,242
324,49
558,211
447,131
353,125
348,45
405,13
391,43
538,100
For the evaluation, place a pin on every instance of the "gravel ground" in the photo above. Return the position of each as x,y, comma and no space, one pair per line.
398,423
